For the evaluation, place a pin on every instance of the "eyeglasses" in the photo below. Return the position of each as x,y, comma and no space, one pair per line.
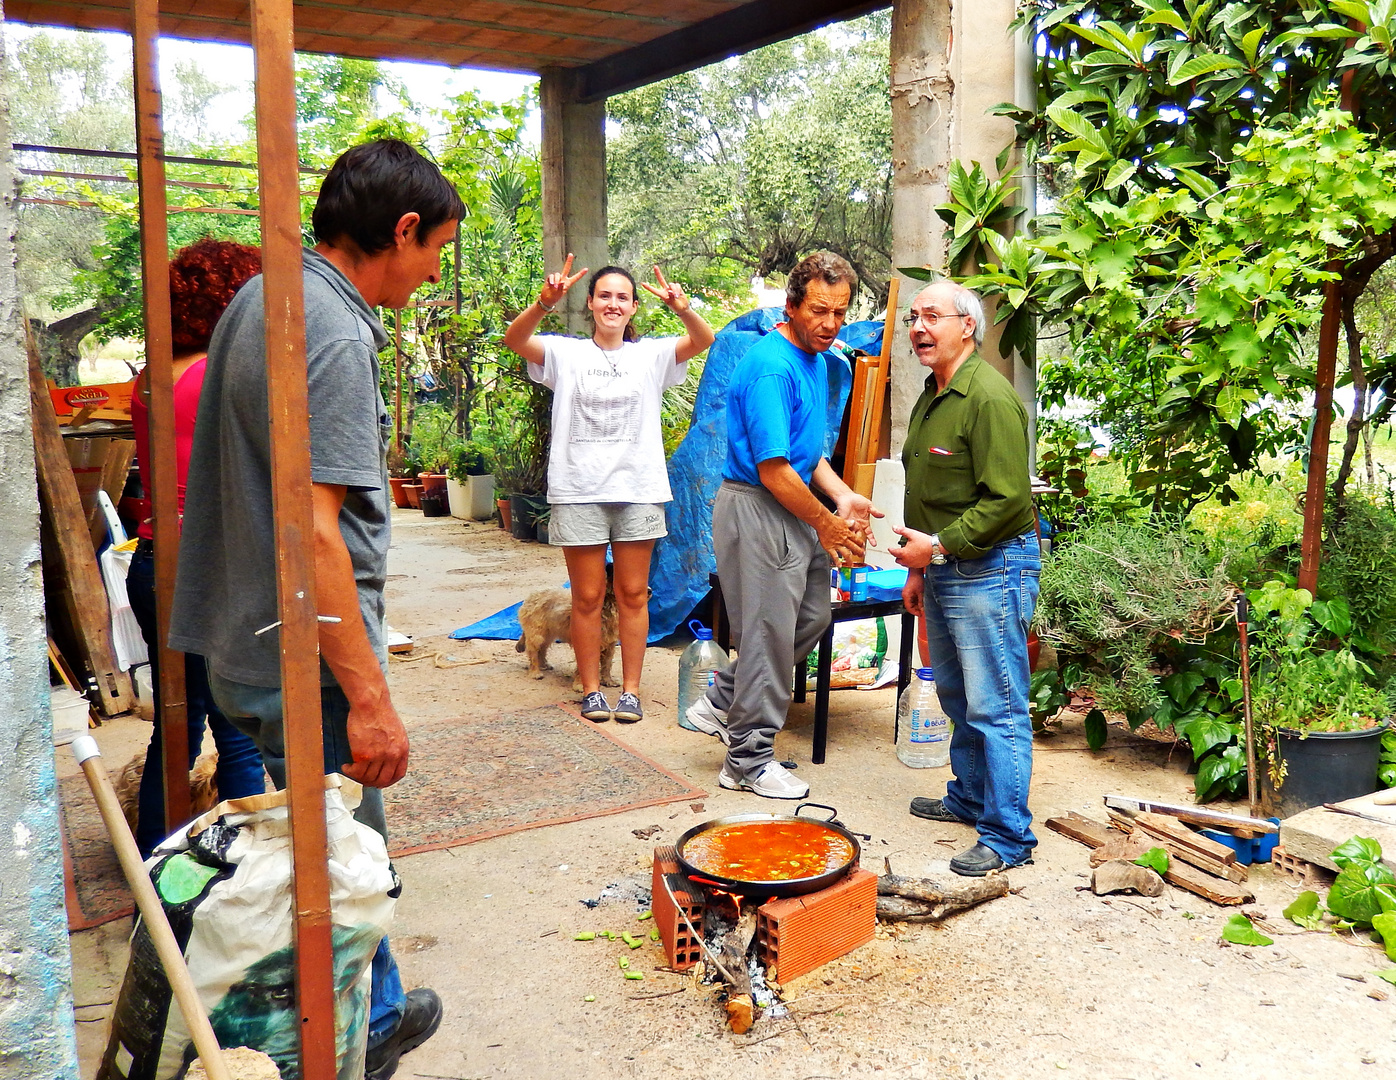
930,318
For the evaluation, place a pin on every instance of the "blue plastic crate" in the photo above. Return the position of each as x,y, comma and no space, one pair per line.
1253,850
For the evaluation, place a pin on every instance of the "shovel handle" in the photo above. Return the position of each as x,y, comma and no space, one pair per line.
152,911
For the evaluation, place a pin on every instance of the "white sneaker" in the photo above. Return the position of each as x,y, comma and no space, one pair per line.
709,719
774,781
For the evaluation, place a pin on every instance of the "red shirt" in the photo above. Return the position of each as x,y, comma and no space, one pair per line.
186,409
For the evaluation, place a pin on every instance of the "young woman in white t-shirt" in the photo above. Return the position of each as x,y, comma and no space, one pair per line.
607,478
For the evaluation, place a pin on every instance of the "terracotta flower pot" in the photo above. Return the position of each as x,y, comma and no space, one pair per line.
399,486
414,495
504,522
433,482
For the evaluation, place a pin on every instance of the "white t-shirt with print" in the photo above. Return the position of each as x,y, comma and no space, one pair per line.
607,445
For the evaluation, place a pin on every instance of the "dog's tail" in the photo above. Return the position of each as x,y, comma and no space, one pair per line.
519,645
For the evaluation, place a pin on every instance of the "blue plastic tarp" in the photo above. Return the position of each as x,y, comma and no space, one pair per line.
684,559
501,626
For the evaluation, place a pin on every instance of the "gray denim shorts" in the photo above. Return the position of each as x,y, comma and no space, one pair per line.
589,524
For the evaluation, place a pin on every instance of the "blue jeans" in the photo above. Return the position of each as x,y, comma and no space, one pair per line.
977,616
256,710
239,762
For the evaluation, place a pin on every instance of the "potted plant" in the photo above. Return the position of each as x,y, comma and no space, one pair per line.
399,475
1318,721
470,485
519,474
541,520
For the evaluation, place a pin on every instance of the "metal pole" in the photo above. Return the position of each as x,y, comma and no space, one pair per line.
397,369
1243,614
288,401
159,379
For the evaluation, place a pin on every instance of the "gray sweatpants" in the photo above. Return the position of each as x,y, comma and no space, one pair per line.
775,582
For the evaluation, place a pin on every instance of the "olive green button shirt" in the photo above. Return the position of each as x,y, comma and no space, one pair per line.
966,459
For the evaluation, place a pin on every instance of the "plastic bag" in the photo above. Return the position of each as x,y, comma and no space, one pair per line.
225,884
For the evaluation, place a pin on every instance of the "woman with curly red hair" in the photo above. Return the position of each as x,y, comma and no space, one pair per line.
203,279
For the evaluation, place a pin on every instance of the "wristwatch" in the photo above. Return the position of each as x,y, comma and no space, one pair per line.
938,551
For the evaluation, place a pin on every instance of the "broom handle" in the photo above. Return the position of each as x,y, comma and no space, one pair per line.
156,924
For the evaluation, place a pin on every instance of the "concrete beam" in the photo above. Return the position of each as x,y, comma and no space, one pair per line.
574,184
36,1001
951,63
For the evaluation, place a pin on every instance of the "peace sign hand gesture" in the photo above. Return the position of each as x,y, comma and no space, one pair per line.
671,292
556,285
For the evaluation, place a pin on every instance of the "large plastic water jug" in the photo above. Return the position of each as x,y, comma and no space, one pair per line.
923,729
700,662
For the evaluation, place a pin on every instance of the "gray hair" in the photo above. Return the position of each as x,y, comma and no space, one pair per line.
967,303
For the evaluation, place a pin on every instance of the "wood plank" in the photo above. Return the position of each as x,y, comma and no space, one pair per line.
1093,834
1159,825
159,375
1079,828
1197,815
1131,821
288,407
1205,885
119,455
85,597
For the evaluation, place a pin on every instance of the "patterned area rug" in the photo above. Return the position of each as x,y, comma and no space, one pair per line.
475,777
470,778
96,889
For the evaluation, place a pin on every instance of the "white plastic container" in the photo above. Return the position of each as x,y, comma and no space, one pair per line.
698,665
923,729
68,710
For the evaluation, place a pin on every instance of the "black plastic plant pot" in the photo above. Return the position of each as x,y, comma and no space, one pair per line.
521,518
434,504
1324,767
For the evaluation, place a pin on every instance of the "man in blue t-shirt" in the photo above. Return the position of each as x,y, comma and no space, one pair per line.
773,538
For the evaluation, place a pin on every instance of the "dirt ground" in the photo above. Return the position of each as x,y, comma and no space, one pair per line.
1048,981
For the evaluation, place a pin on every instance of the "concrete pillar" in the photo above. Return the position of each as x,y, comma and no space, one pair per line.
36,1003
951,63
574,185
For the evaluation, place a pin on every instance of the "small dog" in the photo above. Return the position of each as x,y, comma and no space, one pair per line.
203,786
546,616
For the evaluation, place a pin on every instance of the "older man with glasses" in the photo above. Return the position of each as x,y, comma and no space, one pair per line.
971,552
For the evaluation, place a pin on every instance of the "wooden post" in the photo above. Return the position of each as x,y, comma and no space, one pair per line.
159,379
288,401
71,570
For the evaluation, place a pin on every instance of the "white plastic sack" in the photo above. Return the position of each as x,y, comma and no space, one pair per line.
125,631
226,886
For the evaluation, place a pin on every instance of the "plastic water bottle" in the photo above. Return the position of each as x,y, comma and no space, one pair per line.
923,729
700,662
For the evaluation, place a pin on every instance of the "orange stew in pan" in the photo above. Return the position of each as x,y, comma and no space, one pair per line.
768,851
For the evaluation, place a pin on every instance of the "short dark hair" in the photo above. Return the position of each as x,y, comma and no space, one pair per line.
824,265
372,185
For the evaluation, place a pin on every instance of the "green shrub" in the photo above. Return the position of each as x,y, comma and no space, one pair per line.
1358,565
1119,595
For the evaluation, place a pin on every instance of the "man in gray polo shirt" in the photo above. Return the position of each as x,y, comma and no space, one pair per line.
383,215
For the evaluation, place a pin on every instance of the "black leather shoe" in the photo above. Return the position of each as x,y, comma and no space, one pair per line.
935,810
980,861
421,1016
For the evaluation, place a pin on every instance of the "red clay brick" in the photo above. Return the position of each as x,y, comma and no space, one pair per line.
797,935
679,946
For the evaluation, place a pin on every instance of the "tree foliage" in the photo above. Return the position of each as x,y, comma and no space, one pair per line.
744,167
1203,179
